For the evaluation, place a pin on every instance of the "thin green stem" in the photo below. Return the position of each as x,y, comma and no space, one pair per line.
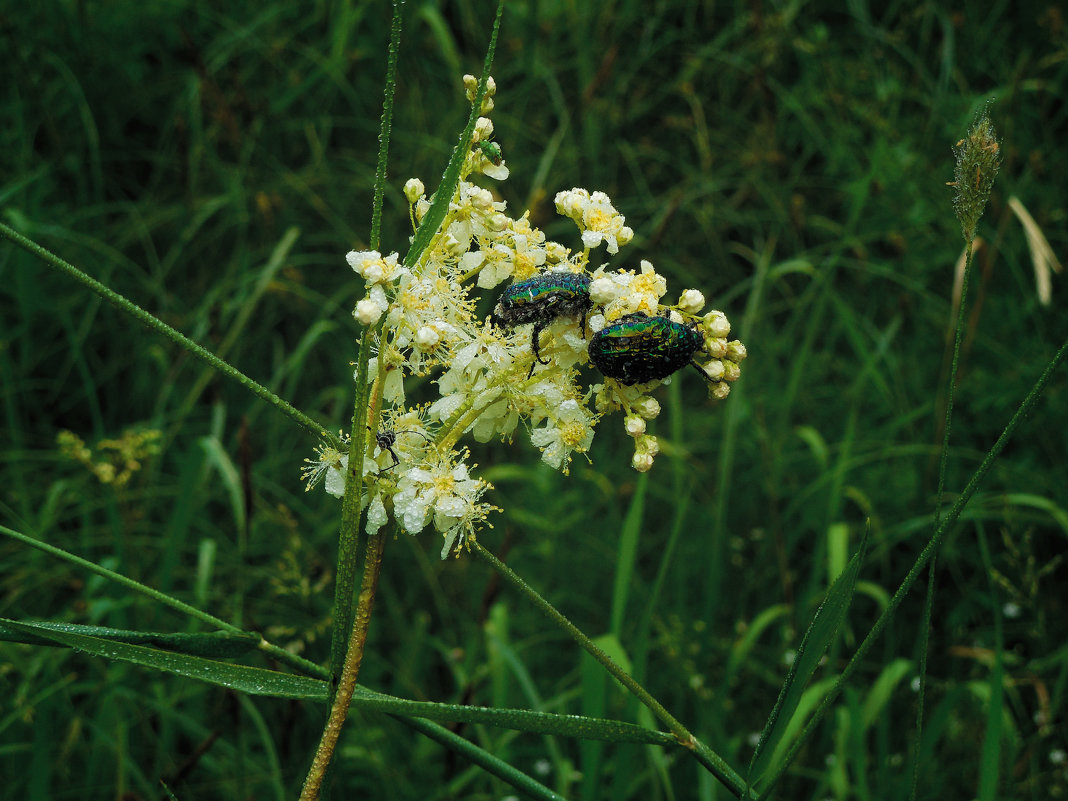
349,535
349,672
282,655
159,326
386,128
351,505
921,561
712,761
928,605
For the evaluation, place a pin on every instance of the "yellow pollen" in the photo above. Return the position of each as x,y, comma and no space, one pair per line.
524,266
597,220
644,283
573,435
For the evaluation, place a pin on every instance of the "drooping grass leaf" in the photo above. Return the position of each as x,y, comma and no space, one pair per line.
217,644
251,680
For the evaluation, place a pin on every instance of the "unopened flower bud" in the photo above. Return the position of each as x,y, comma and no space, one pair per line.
714,369
635,425
731,371
470,87
483,128
647,443
716,323
642,462
736,351
691,301
675,317
716,348
414,189
367,311
720,391
426,338
481,198
648,407
625,234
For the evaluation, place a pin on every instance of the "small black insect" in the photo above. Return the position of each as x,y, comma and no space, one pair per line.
540,300
639,348
386,438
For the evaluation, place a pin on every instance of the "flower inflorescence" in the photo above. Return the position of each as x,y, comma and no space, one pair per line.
978,158
489,371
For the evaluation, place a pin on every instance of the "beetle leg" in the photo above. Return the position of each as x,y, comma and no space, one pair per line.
701,370
535,342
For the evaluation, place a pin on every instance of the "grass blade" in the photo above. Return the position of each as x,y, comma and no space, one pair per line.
217,644
242,678
821,633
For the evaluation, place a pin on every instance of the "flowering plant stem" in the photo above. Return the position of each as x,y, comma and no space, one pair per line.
715,764
350,669
351,505
135,311
928,605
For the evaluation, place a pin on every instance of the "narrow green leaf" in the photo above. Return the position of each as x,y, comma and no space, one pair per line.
231,478
594,703
821,633
485,760
118,644
451,177
810,700
1058,514
577,726
610,644
740,650
251,680
218,644
837,549
883,688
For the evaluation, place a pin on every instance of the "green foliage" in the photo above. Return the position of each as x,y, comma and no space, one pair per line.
214,165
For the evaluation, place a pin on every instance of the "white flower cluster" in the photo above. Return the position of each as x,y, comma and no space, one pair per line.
415,469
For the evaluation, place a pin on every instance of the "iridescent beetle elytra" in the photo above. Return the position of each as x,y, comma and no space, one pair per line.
637,348
540,300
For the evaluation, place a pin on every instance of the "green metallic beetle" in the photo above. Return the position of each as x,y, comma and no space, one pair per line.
639,348
540,300
491,150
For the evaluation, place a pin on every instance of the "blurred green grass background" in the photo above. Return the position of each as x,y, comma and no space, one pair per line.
789,159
